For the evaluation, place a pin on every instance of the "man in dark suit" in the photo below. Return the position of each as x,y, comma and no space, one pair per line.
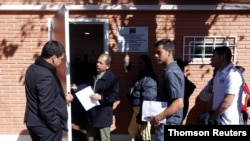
106,90
46,109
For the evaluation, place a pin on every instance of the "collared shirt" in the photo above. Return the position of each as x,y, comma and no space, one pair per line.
97,77
228,81
172,87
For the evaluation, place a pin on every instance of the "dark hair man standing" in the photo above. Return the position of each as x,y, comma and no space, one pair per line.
46,108
171,89
227,89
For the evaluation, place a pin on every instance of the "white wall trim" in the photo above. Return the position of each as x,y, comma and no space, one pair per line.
124,7
159,7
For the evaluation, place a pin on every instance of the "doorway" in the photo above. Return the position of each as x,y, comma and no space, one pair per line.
87,39
81,52
86,42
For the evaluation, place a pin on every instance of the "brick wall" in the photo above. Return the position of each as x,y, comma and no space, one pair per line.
21,38
23,34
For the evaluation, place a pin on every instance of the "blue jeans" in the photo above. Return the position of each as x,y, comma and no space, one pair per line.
159,132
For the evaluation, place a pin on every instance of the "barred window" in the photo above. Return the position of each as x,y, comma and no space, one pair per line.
198,49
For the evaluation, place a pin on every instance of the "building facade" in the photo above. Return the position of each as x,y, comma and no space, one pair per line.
123,28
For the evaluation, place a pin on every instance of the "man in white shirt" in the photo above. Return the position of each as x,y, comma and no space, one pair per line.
227,89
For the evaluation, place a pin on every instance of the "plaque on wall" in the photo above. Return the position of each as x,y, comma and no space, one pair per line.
132,39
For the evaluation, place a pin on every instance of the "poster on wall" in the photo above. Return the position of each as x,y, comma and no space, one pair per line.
132,39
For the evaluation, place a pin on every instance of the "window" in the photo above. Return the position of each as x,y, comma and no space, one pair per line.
203,49
198,49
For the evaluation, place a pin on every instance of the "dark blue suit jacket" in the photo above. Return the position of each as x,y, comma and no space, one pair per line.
108,88
46,104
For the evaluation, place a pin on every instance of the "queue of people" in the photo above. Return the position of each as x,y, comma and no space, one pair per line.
46,109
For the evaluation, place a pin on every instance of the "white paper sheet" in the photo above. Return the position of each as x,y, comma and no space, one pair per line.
152,108
84,97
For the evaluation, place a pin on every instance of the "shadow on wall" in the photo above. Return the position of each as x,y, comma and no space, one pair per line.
198,108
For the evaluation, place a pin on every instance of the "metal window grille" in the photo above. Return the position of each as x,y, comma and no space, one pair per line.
198,49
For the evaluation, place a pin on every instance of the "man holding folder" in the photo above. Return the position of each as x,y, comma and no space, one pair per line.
106,90
171,89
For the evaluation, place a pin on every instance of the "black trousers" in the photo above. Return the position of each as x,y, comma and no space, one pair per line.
44,134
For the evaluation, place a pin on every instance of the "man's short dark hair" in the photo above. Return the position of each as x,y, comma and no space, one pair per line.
167,44
52,48
224,50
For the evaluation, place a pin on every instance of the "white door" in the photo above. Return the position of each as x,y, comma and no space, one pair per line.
59,30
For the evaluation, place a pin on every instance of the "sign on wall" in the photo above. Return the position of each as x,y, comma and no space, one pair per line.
133,39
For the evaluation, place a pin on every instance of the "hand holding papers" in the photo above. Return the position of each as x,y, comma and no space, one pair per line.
152,108
84,97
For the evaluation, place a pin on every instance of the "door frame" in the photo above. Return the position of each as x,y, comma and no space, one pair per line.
103,21
65,12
